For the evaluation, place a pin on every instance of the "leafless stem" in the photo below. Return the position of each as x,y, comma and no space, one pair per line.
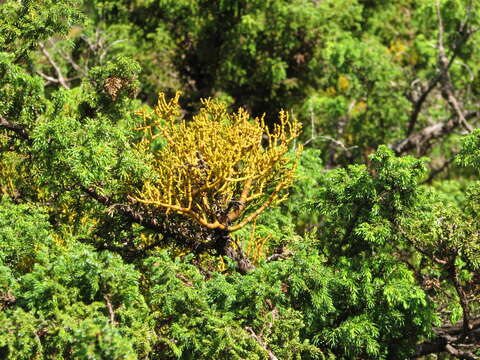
421,139
462,296
16,128
279,256
260,341
417,107
452,339
72,62
60,79
419,249
444,65
464,355
448,91
439,170
110,310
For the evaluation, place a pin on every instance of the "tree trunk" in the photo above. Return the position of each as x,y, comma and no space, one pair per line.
224,246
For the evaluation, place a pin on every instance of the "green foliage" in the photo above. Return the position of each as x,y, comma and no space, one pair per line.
65,292
61,298
26,23
373,255
360,204
22,94
470,154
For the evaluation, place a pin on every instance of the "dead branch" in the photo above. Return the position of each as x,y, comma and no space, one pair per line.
421,140
18,129
443,75
464,355
110,310
419,249
60,78
448,91
453,340
72,62
195,239
279,256
439,170
461,295
259,340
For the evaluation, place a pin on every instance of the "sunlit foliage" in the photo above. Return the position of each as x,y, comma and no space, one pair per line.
208,226
215,168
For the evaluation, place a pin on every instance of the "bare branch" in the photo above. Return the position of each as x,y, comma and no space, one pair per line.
335,141
50,79
60,79
448,91
129,212
439,170
16,128
463,355
417,106
193,238
421,139
462,296
110,310
453,340
444,65
72,62
279,256
271,355
420,250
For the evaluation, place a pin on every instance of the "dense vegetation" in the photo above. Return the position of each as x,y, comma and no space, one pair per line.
239,179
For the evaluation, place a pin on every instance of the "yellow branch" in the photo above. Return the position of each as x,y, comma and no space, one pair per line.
257,212
213,160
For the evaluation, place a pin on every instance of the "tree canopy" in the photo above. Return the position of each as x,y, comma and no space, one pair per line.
239,179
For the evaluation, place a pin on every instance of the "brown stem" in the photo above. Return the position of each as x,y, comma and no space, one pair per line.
439,170
110,310
450,338
421,139
443,77
259,340
222,242
417,106
16,128
448,91
416,247
224,245
462,296
60,77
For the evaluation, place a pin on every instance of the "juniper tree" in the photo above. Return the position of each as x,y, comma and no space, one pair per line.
131,229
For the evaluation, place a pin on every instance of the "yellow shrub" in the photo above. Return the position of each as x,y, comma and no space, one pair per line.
219,169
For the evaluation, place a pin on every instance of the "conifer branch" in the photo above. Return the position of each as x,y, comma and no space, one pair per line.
16,128
260,341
